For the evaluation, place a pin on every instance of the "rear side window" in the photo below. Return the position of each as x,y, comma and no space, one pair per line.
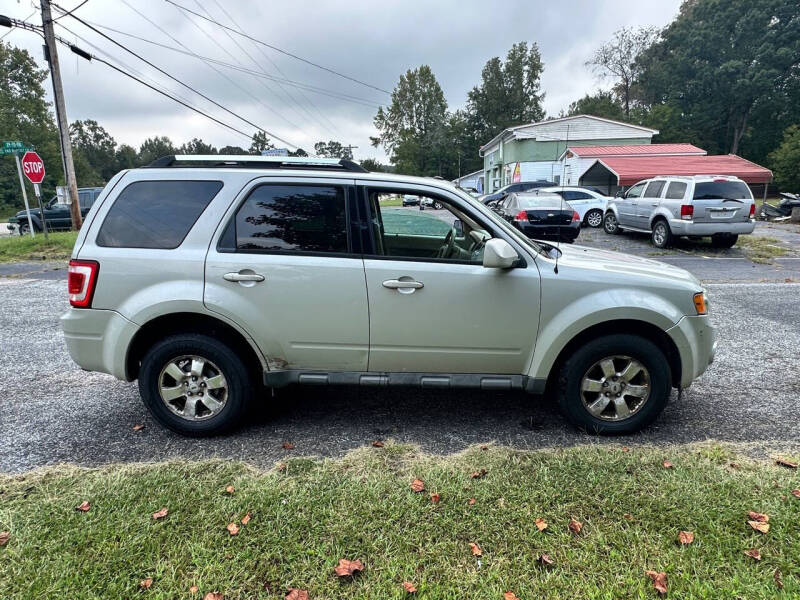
676,190
293,218
156,214
726,190
654,189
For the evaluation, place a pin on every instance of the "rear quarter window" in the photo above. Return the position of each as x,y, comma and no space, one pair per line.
155,214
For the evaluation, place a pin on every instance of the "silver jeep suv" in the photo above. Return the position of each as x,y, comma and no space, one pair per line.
212,278
720,206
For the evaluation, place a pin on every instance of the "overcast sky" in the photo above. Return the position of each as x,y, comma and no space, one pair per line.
374,42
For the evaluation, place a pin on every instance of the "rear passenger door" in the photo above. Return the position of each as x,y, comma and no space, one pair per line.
649,202
286,266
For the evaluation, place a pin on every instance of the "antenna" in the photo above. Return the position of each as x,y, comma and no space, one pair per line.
561,204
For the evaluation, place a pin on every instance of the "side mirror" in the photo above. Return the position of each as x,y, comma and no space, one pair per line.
459,227
498,254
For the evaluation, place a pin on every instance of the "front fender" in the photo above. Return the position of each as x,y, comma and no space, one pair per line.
612,206
596,309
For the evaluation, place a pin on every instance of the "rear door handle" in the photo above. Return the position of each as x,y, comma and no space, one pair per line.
399,284
243,277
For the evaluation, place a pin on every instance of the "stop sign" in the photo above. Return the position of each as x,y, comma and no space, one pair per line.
33,167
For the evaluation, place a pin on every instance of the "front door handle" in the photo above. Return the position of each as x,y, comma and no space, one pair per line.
242,276
404,285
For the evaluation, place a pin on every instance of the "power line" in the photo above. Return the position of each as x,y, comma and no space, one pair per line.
70,12
313,64
186,85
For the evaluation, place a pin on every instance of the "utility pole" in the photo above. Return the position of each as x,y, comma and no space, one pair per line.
61,114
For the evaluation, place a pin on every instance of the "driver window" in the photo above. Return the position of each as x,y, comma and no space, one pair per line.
424,231
636,190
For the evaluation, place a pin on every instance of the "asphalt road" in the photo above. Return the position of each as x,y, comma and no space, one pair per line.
52,412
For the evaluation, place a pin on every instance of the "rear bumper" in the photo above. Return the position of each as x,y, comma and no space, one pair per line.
565,233
98,340
680,227
696,341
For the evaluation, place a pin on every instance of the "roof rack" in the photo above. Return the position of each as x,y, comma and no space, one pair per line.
254,162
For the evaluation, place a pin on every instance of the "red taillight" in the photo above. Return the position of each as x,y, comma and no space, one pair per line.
575,216
687,212
752,210
81,280
521,216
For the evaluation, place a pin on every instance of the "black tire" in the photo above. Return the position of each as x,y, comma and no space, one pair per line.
661,235
236,374
572,372
24,229
610,223
595,215
724,240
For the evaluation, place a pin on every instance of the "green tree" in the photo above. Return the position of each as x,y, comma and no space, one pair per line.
509,93
125,157
25,116
785,160
333,149
370,164
196,146
412,127
616,60
260,143
725,64
155,147
97,147
298,152
601,104
232,150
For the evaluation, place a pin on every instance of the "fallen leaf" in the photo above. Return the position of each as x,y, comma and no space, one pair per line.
545,560
575,526
214,596
627,517
734,465
484,447
348,567
193,589
754,553
418,485
626,449
796,493
510,596
282,467
246,519
471,501
479,474
541,524
287,446
686,537
138,427
435,498
786,463
760,517
160,514
409,587
659,581
476,550
778,579
377,444
295,594
4,535
146,583
232,528
230,489
668,465
759,526
83,506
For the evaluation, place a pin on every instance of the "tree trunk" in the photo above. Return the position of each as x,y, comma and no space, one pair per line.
738,133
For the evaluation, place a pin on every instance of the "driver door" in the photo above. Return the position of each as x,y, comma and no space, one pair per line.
430,313
628,205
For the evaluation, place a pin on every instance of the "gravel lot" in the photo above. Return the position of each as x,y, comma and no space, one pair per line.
52,412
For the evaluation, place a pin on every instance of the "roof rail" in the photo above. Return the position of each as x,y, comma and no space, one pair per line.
254,162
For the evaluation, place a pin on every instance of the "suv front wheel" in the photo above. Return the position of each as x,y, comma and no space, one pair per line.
661,235
614,384
194,384
610,224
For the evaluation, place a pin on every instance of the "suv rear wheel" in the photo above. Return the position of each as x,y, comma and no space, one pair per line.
661,236
614,384
194,384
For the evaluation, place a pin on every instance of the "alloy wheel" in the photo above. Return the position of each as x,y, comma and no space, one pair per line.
610,223
660,234
615,388
594,218
193,387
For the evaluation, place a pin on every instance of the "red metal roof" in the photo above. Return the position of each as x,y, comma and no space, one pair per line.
630,169
635,150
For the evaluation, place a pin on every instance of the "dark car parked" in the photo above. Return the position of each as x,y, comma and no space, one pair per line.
57,215
542,217
513,188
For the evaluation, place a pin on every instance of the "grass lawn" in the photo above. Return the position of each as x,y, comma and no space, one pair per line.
57,247
307,514
760,249
391,201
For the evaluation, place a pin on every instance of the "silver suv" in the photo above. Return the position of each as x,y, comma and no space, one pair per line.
719,206
211,278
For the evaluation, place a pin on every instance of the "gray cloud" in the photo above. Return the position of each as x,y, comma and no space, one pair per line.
371,41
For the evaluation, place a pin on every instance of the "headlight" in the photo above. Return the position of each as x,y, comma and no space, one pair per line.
700,303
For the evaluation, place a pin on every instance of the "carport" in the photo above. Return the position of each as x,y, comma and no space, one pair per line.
611,173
